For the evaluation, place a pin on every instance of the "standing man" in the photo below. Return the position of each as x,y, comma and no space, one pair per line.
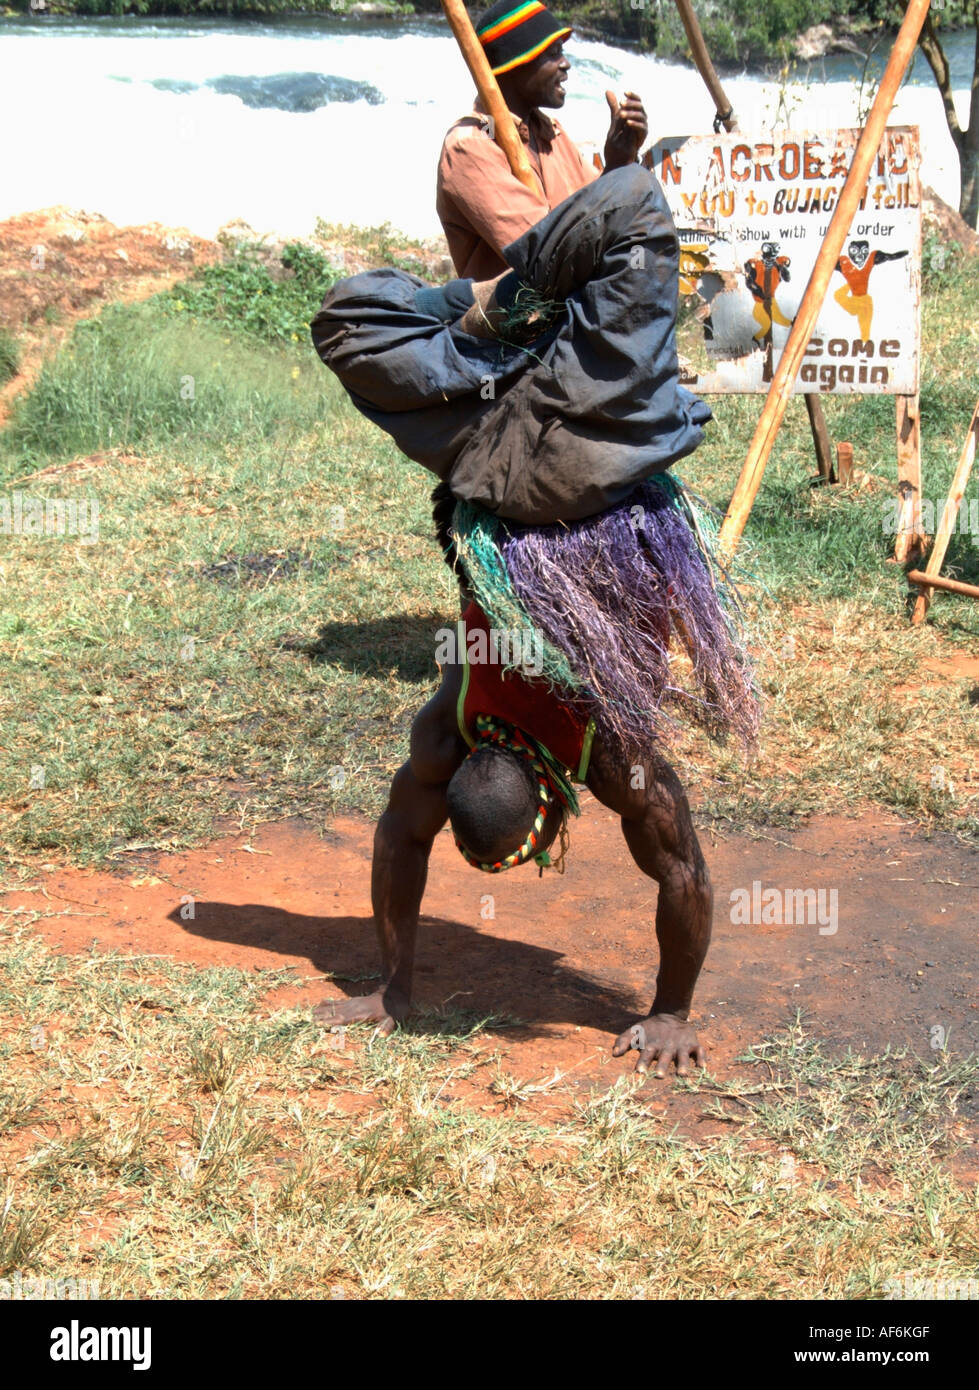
482,206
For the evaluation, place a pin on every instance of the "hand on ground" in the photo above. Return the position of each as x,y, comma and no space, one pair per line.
663,1039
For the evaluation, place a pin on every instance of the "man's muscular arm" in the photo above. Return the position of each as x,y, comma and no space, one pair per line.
416,812
659,832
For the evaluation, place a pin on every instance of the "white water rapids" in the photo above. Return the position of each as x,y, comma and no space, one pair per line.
84,124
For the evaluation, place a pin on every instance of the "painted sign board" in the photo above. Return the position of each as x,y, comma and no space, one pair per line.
751,212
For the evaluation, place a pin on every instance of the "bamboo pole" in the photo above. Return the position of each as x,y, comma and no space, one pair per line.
949,512
698,51
504,129
938,581
805,319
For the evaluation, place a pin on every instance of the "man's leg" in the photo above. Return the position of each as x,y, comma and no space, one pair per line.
416,812
865,315
659,831
845,299
760,315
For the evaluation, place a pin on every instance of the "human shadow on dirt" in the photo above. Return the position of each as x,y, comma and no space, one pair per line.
483,974
403,642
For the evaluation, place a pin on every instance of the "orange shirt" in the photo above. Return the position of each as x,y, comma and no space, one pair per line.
767,277
480,204
857,277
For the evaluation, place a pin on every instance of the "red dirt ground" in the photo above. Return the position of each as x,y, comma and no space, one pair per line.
69,264
572,957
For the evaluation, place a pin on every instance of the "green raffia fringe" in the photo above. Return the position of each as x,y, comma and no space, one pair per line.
478,536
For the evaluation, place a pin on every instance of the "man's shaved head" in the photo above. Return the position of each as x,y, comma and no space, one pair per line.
493,802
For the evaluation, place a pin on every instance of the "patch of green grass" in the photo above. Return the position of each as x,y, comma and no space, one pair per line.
242,293
136,379
376,1169
941,263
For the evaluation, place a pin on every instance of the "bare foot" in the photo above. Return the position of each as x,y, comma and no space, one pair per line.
368,1008
484,318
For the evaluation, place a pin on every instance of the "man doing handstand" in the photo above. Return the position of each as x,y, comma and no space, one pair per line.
559,516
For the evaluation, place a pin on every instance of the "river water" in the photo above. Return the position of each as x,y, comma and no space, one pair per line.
194,122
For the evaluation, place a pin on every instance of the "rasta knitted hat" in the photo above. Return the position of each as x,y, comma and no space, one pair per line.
514,33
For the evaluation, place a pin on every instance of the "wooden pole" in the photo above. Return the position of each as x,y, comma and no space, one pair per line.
911,544
504,129
949,512
938,581
820,436
698,51
805,319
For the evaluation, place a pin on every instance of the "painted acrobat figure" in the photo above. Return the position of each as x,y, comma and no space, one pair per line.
855,267
763,275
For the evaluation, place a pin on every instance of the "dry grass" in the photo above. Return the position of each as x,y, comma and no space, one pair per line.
170,1137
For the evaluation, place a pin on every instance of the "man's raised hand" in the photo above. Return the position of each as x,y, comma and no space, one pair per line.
627,130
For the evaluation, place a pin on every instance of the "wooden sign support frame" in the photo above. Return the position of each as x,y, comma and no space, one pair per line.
911,543
931,578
